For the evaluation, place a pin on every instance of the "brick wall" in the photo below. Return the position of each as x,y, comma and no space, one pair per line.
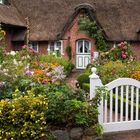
72,35
43,46
9,45
136,49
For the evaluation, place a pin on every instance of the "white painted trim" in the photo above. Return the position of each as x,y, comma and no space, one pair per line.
119,87
123,81
55,47
82,55
121,126
1,2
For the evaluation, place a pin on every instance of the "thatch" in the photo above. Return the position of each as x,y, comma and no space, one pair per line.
9,15
120,19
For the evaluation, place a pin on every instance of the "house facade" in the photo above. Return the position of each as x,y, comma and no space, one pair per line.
50,26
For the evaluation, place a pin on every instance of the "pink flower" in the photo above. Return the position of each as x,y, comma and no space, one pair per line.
124,55
45,81
24,46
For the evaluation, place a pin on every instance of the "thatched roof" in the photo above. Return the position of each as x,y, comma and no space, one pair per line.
120,19
9,15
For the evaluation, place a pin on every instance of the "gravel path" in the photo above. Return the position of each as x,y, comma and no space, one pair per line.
72,79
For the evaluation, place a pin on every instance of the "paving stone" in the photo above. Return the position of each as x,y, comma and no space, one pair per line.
61,135
76,133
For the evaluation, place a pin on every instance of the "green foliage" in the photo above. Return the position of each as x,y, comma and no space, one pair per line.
68,66
83,78
116,69
86,87
91,28
69,51
70,108
23,117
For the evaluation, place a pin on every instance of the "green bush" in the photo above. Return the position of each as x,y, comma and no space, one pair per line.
70,108
23,117
68,66
116,69
86,87
83,78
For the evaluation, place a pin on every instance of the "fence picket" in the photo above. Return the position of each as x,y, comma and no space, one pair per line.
126,92
111,105
105,114
137,103
116,104
132,102
126,108
121,114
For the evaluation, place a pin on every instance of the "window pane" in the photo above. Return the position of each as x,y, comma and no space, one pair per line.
87,47
34,45
52,47
58,46
80,46
1,1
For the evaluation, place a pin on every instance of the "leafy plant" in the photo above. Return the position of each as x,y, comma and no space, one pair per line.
83,78
91,28
69,51
71,108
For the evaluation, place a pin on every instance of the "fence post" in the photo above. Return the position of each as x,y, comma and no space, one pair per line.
94,82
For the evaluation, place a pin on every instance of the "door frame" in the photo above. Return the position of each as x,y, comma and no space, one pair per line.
83,54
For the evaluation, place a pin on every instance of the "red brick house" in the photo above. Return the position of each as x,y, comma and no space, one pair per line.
52,25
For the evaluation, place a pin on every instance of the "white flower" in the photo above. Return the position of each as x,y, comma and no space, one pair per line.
13,53
20,62
15,62
5,70
28,56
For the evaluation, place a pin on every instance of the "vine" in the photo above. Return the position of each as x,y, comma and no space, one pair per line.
69,51
90,27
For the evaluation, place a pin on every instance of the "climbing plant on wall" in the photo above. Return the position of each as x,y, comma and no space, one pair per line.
91,28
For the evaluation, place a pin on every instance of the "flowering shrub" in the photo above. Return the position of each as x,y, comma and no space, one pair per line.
120,52
23,117
45,73
136,74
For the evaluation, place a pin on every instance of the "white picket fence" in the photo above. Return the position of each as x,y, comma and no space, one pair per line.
120,110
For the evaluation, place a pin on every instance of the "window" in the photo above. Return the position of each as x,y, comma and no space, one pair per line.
6,2
34,45
55,48
1,2
83,46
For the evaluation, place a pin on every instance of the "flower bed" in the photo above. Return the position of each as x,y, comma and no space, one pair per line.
35,98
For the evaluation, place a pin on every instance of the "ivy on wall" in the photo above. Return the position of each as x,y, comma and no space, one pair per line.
69,52
90,27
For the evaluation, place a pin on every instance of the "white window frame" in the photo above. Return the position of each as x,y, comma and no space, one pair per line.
37,46
55,47
1,1
83,41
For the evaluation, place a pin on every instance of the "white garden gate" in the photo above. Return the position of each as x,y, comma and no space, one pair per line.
120,109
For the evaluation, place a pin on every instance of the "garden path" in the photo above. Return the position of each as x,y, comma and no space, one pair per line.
125,135
71,79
